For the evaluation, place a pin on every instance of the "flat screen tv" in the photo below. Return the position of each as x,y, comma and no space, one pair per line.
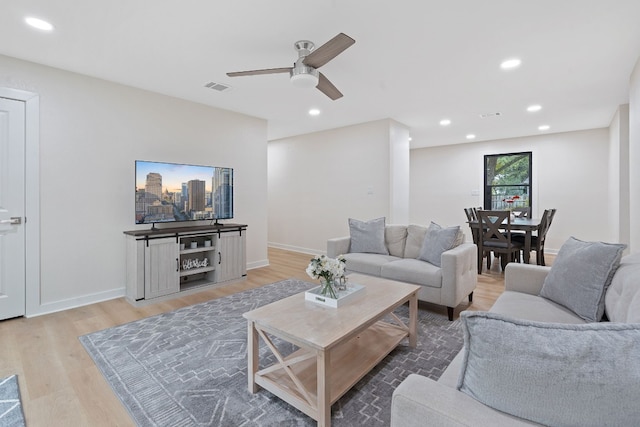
168,192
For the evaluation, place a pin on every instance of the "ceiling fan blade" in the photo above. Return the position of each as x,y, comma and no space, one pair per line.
328,51
258,72
326,87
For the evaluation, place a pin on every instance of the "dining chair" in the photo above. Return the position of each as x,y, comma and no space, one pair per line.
495,236
537,241
470,213
472,216
523,212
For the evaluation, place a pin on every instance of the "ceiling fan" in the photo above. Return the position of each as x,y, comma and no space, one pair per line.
304,72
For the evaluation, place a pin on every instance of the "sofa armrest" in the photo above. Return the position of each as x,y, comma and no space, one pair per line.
459,273
338,246
526,278
419,401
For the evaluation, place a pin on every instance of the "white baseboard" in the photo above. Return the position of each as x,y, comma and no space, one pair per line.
257,264
54,307
296,249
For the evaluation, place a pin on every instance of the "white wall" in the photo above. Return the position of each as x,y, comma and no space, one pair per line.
91,131
317,181
634,158
570,173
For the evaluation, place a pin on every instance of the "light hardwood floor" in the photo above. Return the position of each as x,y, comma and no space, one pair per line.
59,383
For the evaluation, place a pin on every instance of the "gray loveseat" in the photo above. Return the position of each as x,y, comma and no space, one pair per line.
552,349
446,284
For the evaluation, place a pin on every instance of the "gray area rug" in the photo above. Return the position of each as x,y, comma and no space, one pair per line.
10,406
188,367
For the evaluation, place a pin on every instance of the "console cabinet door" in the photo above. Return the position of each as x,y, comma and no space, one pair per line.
232,262
161,268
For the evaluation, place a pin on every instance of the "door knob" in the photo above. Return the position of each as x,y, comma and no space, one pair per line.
14,220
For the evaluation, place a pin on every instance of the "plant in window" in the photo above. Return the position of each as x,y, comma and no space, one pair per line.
511,201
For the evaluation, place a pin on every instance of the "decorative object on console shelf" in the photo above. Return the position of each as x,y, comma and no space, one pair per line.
188,264
328,270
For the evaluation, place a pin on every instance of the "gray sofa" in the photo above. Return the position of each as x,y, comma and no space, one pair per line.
447,284
546,332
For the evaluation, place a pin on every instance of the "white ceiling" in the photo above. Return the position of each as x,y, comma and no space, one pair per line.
414,61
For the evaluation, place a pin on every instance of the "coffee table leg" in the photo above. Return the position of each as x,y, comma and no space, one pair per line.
252,356
324,388
413,320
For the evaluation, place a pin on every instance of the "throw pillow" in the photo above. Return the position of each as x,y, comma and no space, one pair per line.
580,276
415,238
553,373
396,237
367,236
436,241
622,301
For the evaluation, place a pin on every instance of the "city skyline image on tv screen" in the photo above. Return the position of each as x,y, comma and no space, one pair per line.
166,192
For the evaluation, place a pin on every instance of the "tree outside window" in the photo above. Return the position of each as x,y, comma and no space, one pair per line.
507,181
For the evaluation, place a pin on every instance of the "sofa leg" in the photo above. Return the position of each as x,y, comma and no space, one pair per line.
450,312
471,297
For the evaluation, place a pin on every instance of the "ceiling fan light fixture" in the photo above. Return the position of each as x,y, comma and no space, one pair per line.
304,81
304,77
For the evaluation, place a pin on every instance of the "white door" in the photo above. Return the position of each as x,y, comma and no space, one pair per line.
12,208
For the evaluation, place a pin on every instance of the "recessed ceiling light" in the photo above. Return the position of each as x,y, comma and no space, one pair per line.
534,108
544,127
38,23
471,136
510,64
445,122
314,112
410,139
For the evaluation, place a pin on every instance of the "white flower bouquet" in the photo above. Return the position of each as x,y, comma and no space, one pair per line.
328,270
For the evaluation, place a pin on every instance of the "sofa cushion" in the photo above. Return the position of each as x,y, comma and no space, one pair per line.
413,271
436,241
532,307
580,276
367,263
551,373
367,236
395,237
622,300
415,238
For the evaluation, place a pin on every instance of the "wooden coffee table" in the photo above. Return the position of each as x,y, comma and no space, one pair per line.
337,346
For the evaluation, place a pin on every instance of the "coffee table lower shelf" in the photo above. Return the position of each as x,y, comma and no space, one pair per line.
349,362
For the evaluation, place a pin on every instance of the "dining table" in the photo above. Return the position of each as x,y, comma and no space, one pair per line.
528,225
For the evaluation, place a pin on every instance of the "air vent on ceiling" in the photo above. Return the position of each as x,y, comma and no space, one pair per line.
486,115
217,86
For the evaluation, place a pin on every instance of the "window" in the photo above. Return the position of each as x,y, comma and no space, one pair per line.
507,181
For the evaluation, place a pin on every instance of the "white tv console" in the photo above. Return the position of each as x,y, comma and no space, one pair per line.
168,261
